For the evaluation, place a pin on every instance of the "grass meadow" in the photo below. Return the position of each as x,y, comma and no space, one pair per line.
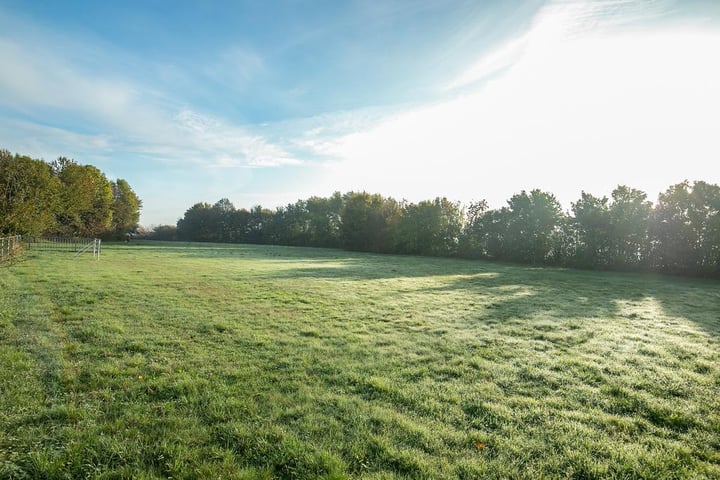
255,362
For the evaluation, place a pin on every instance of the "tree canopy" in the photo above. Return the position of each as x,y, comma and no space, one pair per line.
63,197
680,234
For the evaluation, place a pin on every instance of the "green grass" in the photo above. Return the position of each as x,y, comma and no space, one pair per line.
250,362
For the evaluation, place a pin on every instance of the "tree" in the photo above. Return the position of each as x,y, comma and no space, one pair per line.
163,232
259,225
532,219
591,227
126,208
290,225
471,240
324,220
685,229
367,222
86,199
430,228
220,221
629,216
196,224
239,222
28,195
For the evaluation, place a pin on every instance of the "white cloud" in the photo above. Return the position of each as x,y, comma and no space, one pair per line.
44,83
229,146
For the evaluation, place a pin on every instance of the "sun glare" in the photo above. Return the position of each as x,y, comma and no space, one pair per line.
571,111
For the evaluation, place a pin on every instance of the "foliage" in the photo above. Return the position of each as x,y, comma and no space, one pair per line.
629,216
531,220
162,232
368,221
430,228
681,234
125,209
591,217
28,195
686,229
38,198
267,362
86,199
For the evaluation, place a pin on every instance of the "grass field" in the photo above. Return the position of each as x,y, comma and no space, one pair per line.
250,362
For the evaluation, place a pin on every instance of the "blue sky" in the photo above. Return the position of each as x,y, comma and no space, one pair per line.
269,102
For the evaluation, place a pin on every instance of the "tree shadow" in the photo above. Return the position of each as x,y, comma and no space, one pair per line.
525,293
517,291
522,292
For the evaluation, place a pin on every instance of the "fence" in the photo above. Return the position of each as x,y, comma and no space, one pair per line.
9,247
64,244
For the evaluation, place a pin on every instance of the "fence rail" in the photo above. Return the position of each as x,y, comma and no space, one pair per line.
10,246
64,244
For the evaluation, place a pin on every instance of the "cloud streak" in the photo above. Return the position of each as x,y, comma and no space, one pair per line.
56,97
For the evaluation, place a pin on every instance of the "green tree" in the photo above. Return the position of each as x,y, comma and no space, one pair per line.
28,195
290,225
220,219
368,222
239,221
628,236
430,228
126,208
591,227
259,226
532,220
685,229
163,232
324,220
472,242
490,233
86,199
196,224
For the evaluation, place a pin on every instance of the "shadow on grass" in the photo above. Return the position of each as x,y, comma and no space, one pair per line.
520,292
524,292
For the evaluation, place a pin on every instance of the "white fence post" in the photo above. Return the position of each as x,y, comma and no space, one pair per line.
9,246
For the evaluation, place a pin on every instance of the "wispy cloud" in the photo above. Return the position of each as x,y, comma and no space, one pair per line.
54,97
556,23
40,79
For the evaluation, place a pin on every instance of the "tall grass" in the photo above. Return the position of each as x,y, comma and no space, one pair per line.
231,361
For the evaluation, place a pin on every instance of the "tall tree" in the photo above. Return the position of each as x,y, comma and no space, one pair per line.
86,199
591,226
196,224
220,217
290,225
629,216
686,229
324,220
126,208
472,243
259,226
28,195
430,228
368,222
532,220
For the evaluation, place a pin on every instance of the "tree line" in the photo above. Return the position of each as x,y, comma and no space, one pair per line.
63,198
679,234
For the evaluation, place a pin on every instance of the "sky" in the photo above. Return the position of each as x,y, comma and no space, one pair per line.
267,102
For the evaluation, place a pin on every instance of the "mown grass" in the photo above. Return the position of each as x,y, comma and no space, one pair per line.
250,362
